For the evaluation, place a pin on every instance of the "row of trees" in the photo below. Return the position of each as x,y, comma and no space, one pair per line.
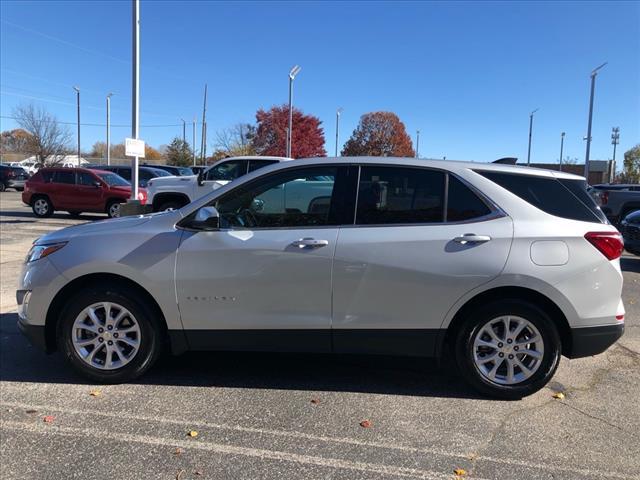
379,134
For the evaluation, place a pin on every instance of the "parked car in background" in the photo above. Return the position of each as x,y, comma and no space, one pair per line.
12,177
507,268
173,170
173,193
144,173
630,229
196,169
29,166
617,200
77,190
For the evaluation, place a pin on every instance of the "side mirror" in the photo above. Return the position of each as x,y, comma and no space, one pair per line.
97,184
206,218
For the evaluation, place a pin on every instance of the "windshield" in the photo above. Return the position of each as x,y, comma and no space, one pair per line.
158,172
185,171
113,180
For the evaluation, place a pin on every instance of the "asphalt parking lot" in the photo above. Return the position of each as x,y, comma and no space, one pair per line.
299,416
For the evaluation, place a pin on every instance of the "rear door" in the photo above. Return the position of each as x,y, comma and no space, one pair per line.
405,262
63,189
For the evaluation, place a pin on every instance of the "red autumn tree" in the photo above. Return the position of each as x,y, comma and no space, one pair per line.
379,134
271,134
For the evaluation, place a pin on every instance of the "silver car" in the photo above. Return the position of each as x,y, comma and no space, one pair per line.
506,268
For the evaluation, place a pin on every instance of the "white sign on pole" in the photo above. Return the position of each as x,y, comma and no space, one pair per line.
134,147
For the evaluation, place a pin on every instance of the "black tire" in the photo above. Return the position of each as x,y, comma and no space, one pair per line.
110,204
38,210
170,205
2,187
478,318
150,333
19,189
75,214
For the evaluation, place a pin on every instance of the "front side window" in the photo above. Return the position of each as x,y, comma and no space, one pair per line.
86,179
65,177
293,198
227,170
400,195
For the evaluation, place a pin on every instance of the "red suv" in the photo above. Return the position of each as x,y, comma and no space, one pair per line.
77,190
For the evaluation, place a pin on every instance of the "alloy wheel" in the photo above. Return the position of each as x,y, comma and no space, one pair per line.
114,210
41,206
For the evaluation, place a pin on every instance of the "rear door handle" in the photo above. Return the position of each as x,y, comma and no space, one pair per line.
472,238
310,242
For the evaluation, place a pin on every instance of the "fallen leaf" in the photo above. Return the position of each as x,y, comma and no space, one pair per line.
559,395
95,392
315,401
30,411
460,472
366,424
179,474
179,451
192,433
48,419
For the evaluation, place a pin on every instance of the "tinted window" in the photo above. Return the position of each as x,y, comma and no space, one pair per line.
185,171
462,203
579,189
256,164
399,195
124,173
86,179
113,179
545,193
227,170
295,198
146,174
46,176
61,176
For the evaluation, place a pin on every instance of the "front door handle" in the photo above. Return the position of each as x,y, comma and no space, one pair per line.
472,238
310,242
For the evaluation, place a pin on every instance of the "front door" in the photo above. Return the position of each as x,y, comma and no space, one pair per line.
263,280
405,263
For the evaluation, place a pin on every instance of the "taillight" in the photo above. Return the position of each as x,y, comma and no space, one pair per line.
142,196
604,198
610,244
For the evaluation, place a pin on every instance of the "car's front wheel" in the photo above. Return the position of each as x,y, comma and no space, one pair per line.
508,349
108,335
113,209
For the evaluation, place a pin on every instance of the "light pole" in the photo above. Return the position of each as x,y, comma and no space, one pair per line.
109,128
184,131
135,93
594,73
292,75
77,89
561,148
338,113
194,141
530,133
417,143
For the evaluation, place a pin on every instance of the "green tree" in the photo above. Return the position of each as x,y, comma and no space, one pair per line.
179,153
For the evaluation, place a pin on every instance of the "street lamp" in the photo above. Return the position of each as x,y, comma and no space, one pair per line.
594,73
184,131
417,143
561,148
292,75
530,132
338,113
109,95
194,141
77,89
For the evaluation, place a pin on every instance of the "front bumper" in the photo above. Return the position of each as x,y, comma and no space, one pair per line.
35,334
589,341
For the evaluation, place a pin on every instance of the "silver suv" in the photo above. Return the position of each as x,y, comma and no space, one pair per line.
505,267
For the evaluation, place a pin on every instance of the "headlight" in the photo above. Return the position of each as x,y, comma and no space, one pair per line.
40,251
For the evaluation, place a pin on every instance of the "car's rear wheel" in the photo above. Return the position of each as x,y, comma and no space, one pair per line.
19,189
508,349
108,335
113,209
42,207
2,187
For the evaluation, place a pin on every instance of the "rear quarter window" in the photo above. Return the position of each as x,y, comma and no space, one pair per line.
559,197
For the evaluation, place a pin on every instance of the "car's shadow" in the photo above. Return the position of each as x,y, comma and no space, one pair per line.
30,217
20,362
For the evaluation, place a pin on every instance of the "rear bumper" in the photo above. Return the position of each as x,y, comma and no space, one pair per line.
589,341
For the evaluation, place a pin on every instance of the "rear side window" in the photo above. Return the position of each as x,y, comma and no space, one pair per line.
64,177
549,195
256,164
462,203
400,195
227,170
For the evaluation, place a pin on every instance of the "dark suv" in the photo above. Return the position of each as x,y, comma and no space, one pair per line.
12,177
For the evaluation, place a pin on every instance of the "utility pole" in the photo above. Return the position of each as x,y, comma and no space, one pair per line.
204,119
109,128
204,145
417,143
615,140
561,148
135,94
338,113
77,89
530,133
292,75
184,131
194,141
594,73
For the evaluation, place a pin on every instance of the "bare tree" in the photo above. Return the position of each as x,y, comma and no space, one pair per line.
50,140
236,140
